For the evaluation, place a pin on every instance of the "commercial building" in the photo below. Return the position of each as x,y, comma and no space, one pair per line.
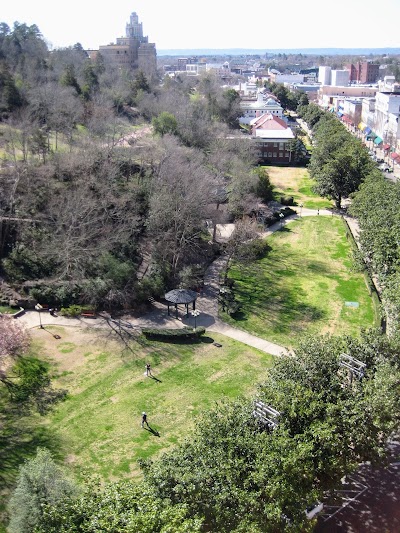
329,95
133,51
324,75
340,77
387,114
363,72
261,106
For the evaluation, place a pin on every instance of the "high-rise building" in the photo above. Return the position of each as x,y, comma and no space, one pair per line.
340,78
363,72
324,75
133,51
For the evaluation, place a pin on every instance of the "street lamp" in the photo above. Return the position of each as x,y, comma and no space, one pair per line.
38,308
195,313
301,208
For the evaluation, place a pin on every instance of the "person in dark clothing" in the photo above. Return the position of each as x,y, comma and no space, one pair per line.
148,369
144,420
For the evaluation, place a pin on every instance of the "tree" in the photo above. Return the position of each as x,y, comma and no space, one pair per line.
243,477
264,188
14,339
68,79
40,482
125,507
180,193
165,123
376,207
26,379
339,163
91,79
140,84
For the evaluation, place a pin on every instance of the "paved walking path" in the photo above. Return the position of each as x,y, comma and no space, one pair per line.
207,303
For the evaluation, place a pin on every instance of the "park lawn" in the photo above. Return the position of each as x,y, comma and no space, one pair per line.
302,284
7,310
98,426
296,182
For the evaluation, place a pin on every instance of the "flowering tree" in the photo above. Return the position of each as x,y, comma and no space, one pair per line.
26,378
14,339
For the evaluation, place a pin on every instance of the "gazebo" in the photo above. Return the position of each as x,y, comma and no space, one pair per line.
180,296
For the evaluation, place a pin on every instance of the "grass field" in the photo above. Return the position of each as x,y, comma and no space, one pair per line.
296,182
301,286
7,310
97,429
98,426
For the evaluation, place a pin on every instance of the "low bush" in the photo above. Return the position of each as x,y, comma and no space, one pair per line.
173,334
74,310
287,200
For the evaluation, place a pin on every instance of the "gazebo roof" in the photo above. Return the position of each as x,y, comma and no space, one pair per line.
181,296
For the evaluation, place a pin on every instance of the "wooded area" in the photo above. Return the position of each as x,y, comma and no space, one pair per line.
89,192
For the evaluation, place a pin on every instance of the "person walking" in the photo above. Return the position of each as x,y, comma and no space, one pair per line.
148,369
144,420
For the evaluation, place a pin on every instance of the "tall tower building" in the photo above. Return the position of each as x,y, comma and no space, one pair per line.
133,51
134,28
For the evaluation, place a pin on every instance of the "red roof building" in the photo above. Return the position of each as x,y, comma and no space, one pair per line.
274,139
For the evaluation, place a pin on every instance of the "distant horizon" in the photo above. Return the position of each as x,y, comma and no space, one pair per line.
291,51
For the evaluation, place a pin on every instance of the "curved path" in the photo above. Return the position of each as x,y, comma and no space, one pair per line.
207,303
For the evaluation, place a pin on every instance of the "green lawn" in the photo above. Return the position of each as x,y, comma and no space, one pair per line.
301,286
7,310
296,182
98,426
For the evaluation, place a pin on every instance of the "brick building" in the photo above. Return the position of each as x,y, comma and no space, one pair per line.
133,51
363,72
274,139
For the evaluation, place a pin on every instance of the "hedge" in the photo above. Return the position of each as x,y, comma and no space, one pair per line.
173,334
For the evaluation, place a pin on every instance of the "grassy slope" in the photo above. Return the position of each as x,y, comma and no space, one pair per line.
98,426
301,286
296,182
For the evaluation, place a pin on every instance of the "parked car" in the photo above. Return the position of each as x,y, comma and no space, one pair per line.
385,167
380,160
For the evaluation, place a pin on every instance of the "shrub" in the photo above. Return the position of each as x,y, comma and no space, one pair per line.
253,250
74,310
287,200
55,295
173,334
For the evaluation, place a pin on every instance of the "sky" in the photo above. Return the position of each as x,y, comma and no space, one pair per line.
180,24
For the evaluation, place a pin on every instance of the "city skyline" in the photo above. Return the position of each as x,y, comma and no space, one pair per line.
217,25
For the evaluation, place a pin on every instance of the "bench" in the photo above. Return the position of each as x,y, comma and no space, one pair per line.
88,314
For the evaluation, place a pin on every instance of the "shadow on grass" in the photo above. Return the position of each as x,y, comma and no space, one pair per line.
318,267
240,316
206,340
20,436
282,309
152,431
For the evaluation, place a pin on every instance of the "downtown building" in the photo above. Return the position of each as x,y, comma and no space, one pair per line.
132,52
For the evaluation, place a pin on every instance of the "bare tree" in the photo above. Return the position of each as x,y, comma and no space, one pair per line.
179,198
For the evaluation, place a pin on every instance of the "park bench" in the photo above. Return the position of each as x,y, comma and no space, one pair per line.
88,314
